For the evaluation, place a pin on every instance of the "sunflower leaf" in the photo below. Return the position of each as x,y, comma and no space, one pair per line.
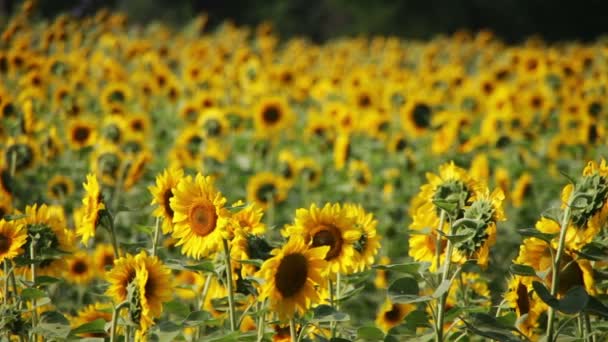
95,327
412,268
522,270
325,313
196,318
533,232
596,307
32,293
442,288
177,308
594,251
573,302
370,333
53,325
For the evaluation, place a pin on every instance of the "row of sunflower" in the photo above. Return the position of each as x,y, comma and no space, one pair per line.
279,166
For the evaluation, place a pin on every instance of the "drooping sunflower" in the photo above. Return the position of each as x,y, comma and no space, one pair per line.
162,193
265,188
23,151
360,174
368,244
522,189
80,269
392,314
93,204
137,168
106,162
92,313
199,216
292,277
331,226
59,187
81,133
271,116
12,239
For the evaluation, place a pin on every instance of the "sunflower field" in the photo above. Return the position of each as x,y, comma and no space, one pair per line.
197,184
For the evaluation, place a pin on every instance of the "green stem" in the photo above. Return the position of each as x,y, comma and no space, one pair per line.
112,229
332,302
33,268
444,277
260,323
13,167
202,329
156,236
336,304
229,285
438,240
6,277
579,325
590,337
115,319
292,330
556,266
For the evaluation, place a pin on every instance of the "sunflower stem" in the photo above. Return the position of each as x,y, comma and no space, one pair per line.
556,264
292,330
579,326
13,167
260,323
587,321
112,229
229,285
156,236
118,186
33,268
438,241
202,329
444,277
115,319
336,305
7,295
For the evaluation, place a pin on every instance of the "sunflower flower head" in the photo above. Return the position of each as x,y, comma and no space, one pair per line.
12,239
292,277
162,193
93,208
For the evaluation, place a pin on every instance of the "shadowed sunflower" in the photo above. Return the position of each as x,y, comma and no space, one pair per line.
199,216
79,269
527,306
291,277
12,238
162,193
137,168
23,150
329,226
93,205
92,313
265,188
59,187
392,314
103,259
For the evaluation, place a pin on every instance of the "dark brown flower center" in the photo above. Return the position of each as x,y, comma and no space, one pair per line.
393,315
203,219
271,115
81,134
329,236
291,274
523,302
80,267
166,198
5,244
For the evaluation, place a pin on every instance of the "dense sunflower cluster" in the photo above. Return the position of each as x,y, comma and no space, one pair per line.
178,183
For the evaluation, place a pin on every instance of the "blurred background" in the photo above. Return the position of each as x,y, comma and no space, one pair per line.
320,20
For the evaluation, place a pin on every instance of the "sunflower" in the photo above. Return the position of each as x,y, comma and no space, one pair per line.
522,189
199,216
93,204
360,174
103,259
79,269
188,284
288,165
23,151
292,277
213,123
265,188
12,239
368,244
137,168
138,123
81,133
249,220
115,94
247,246
6,204
392,314
162,193
382,276
113,128
272,115
417,116
59,187
310,171
92,313
342,151
527,306
106,163
151,284
331,226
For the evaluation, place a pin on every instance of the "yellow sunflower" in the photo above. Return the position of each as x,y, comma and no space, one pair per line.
199,216
360,174
527,306
188,284
103,259
23,151
92,313
392,314
342,151
59,187
93,204
292,277
12,239
271,116
331,226
310,171
265,188
81,133
79,269
137,168
368,244
162,193
522,189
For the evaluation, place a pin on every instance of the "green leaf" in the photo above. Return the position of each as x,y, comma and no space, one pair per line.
148,230
32,293
596,307
405,290
204,266
594,251
95,327
168,331
339,339
46,280
413,268
370,333
14,217
442,288
417,319
177,308
196,318
488,326
522,270
52,324
573,302
326,313
255,262
533,232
